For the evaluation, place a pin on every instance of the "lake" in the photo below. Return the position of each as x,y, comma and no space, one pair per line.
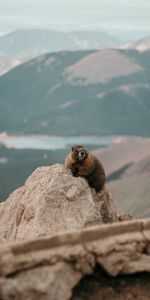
52,142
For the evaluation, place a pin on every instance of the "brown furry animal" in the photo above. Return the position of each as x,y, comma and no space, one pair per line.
83,163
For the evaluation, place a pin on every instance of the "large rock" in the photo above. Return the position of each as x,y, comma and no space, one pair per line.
50,267
52,201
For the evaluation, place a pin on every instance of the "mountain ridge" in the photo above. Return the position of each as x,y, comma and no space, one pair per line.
44,83
22,45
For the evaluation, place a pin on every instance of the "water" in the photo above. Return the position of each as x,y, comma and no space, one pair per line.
53,142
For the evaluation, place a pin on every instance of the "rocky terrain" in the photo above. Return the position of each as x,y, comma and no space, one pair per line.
52,267
52,201
54,242
60,240
99,285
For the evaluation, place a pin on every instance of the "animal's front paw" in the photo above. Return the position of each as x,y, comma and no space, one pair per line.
74,171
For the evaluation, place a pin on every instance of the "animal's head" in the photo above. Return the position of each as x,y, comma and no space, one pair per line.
79,153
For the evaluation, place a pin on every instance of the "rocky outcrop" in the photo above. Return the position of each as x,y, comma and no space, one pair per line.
50,267
41,259
52,201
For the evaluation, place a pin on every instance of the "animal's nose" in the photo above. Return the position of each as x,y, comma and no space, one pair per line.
82,153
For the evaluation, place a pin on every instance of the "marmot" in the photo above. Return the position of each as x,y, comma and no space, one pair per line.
83,163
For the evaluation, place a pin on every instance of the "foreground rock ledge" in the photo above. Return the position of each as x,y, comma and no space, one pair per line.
50,267
52,201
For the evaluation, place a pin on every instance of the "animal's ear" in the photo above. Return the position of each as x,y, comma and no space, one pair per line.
72,149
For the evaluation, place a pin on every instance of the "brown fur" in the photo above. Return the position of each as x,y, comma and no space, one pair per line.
83,163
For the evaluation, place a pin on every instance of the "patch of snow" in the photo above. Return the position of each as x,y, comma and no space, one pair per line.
143,47
3,160
50,61
66,104
3,137
55,87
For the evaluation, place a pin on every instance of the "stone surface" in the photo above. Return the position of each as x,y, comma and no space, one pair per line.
52,201
46,282
41,259
50,267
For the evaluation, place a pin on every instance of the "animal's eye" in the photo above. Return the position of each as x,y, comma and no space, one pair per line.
72,148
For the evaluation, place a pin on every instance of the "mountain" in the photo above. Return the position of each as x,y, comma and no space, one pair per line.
100,92
141,45
132,195
92,39
127,164
17,165
7,63
127,156
37,41
22,45
33,42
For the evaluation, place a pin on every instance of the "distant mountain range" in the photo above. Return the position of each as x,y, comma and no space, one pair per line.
37,41
22,45
141,45
78,92
7,63
89,92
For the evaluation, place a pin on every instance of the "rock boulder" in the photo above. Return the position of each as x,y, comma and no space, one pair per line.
53,201
51,267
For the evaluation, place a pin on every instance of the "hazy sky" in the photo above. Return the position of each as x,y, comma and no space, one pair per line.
127,19
79,3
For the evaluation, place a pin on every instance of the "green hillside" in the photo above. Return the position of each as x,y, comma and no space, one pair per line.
20,164
59,94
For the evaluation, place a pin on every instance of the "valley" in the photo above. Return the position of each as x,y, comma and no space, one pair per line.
96,97
126,161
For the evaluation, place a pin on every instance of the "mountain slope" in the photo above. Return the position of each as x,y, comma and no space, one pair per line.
37,41
21,45
7,63
33,42
132,195
127,165
128,156
141,45
74,93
